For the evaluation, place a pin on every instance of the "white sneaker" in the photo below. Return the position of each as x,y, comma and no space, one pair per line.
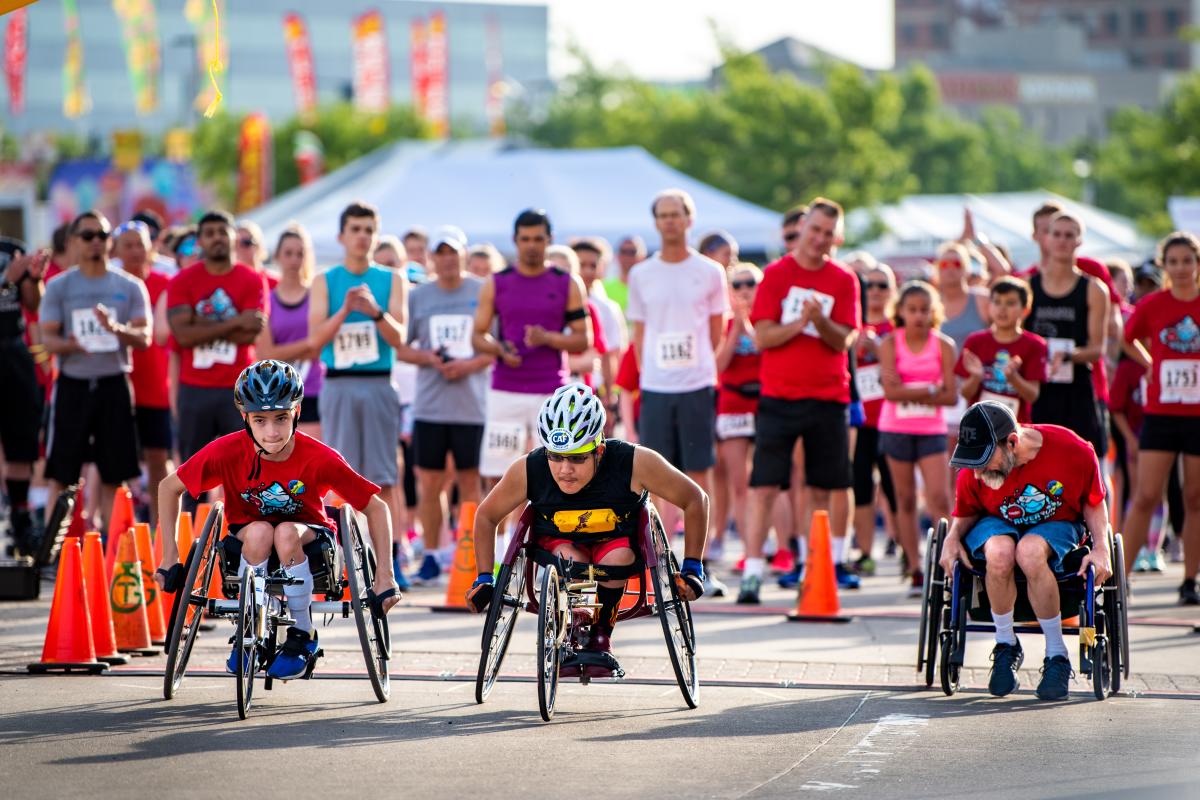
714,586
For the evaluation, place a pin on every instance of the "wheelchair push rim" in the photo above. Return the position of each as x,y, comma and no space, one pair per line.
501,621
188,606
1120,620
548,652
674,612
934,598
373,632
246,638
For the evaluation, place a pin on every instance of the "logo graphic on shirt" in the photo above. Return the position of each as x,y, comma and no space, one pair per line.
274,500
745,346
595,520
559,437
219,306
1183,336
1033,505
993,376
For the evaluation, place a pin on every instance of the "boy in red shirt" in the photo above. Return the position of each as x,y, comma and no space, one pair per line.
1004,363
274,480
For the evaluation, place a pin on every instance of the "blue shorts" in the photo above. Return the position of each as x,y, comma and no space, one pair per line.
1063,537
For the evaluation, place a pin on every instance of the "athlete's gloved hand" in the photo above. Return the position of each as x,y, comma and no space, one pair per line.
691,578
172,579
480,593
857,414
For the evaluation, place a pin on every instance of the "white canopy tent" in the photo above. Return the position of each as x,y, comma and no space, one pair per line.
481,186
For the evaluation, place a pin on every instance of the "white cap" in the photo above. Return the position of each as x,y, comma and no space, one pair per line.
451,235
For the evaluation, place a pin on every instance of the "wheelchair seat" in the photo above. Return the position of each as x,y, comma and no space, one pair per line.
1070,565
322,553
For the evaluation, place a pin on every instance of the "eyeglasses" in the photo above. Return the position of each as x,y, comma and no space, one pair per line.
247,242
578,458
88,236
743,284
949,263
876,285
791,236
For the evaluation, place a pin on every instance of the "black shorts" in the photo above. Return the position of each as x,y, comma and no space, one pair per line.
1075,407
824,427
1171,434
433,440
205,414
20,403
867,456
681,427
308,410
91,420
153,427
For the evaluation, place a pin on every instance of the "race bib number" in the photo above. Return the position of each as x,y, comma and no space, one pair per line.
90,334
504,440
355,343
675,350
1013,403
453,333
206,355
1064,372
733,426
913,410
793,307
1179,381
867,381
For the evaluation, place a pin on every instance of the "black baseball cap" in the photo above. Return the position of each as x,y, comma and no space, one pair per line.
983,425
1149,271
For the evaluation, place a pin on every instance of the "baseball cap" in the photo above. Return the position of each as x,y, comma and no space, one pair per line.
1149,271
983,425
451,235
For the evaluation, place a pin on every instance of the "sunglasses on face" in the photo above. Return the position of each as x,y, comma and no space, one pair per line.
247,243
743,284
577,459
949,264
187,247
881,285
88,236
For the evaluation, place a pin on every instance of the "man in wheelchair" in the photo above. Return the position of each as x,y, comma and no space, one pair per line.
1026,496
274,480
586,493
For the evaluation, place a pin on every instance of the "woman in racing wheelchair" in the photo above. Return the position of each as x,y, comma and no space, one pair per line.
586,494
274,479
1026,496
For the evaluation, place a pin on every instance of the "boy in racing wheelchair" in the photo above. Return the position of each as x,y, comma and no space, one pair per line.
586,494
274,479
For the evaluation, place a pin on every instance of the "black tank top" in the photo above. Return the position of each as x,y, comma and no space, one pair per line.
12,318
1062,318
604,509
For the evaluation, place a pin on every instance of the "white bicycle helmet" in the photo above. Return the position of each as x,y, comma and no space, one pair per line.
571,420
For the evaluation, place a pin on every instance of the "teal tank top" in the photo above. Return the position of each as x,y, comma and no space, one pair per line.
358,347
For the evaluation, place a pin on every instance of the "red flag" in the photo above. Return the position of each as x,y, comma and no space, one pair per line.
300,61
371,92
437,104
420,65
16,49
256,165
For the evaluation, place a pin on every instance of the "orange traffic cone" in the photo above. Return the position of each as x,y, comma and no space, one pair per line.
104,639
68,646
127,598
120,520
818,600
154,605
462,571
633,590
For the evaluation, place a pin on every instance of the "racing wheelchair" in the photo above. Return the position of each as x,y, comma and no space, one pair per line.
342,571
953,607
563,598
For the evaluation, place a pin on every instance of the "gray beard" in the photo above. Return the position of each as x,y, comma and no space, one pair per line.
993,479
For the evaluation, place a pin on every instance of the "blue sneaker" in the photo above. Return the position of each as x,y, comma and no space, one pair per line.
1056,679
231,663
845,578
429,572
402,582
296,655
1006,661
792,578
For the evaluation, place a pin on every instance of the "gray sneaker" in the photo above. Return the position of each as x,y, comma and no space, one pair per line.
1006,660
748,592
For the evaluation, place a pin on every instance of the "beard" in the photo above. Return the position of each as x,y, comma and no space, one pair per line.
994,478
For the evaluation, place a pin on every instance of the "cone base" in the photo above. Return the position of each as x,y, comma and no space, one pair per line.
818,618
114,660
91,667
450,609
159,643
140,651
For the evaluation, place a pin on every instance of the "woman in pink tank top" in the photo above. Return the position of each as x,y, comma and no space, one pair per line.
917,372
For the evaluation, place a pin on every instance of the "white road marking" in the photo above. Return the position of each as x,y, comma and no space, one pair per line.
825,786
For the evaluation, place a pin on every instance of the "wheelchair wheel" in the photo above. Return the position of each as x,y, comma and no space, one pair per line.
502,614
548,640
1101,668
1119,618
246,637
933,600
373,633
56,527
949,671
188,607
675,614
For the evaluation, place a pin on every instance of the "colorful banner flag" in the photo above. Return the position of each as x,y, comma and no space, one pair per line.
76,100
496,88
212,49
310,156
16,51
127,150
437,106
139,29
419,64
256,163
371,90
300,61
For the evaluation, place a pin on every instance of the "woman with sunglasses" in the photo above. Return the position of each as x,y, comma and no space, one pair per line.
585,491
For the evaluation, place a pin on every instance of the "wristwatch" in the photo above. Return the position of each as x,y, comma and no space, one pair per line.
378,316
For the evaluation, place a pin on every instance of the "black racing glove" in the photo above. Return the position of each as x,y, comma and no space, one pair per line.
479,596
691,575
172,578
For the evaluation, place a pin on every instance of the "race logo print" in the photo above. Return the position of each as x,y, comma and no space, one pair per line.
1183,336
993,376
1033,505
219,306
274,500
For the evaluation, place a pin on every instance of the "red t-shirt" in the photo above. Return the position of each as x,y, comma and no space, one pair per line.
866,374
149,375
744,367
1126,393
1173,328
804,367
284,491
216,297
1030,348
598,340
1057,484
629,379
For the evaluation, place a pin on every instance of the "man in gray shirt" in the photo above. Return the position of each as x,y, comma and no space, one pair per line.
451,402
90,317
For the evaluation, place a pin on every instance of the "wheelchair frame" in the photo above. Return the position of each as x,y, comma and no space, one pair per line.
952,608
254,603
561,599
